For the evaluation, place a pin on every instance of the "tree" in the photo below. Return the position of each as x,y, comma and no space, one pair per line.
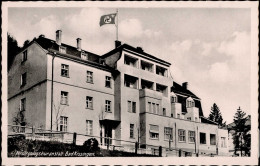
241,135
26,43
12,49
19,120
57,110
215,115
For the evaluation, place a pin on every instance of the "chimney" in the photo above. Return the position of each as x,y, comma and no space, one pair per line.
117,43
58,37
139,49
79,44
42,36
185,85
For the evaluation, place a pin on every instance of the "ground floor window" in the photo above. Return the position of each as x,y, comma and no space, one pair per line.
212,139
191,136
89,127
223,142
154,131
63,123
132,130
181,135
202,138
167,133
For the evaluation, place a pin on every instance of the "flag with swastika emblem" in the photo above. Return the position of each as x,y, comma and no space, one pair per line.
107,19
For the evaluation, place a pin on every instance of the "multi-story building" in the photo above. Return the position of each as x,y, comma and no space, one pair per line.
125,94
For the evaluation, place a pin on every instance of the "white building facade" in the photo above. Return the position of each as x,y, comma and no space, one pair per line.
125,94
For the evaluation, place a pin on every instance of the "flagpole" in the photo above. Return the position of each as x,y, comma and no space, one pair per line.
117,24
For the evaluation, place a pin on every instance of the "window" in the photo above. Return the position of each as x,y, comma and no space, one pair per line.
153,108
162,89
89,127
146,66
89,76
64,98
64,70
108,106
189,118
23,79
181,135
212,139
191,135
164,111
132,130
150,107
146,84
202,138
129,103
84,56
157,109
223,142
190,103
130,61
89,102
161,71
63,50
172,115
22,104
134,107
131,106
174,99
24,58
63,123
196,119
131,82
108,82
167,133
154,131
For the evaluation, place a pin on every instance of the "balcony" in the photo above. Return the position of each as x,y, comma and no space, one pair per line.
150,93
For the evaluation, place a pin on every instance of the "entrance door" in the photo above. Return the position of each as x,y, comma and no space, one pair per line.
108,135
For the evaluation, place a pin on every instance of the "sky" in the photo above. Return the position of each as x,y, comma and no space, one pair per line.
207,47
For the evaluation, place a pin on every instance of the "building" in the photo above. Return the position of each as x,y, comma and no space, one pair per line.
125,94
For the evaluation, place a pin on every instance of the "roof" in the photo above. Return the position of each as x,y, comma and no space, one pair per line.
51,44
206,120
181,90
137,50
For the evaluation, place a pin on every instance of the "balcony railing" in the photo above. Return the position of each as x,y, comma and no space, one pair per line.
150,93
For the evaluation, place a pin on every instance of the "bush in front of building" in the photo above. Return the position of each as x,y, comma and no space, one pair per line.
91,146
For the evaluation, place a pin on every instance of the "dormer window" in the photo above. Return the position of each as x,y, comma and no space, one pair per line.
62,49
173,99
84,56
190,102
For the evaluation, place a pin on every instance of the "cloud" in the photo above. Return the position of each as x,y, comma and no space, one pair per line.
207,48
84,23
238,44
133,28
181,47
47,25
215,70
219,72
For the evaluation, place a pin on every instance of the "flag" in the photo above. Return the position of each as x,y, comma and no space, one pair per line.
107,19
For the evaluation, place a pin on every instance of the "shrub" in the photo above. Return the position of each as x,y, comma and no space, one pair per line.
91,145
